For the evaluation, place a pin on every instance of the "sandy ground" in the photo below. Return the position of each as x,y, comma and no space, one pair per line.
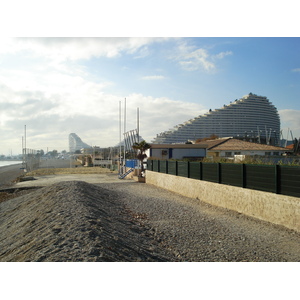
45,177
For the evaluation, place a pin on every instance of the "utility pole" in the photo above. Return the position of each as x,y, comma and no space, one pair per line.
120,138
25,140
25,155
124,132
138,125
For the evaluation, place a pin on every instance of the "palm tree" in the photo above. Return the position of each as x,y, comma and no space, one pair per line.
142,147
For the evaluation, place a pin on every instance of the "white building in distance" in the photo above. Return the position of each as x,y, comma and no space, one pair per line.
75,143
252,117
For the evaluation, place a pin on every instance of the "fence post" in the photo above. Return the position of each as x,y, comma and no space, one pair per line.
277,179
201,171
188,169
219,173
244,175
176,168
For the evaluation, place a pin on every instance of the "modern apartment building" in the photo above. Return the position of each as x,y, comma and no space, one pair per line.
253,118
75,143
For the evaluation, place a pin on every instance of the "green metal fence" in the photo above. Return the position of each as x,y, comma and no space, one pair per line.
172,167
269,178
195,170
261,177
163,164
210,172
232,174
289,181
182,169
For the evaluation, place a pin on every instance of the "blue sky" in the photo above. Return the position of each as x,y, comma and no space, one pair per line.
56,86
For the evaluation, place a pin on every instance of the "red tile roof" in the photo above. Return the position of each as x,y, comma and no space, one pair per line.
179,146
290,147
235,144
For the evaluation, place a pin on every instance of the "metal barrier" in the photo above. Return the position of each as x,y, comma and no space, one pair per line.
277,179
31,159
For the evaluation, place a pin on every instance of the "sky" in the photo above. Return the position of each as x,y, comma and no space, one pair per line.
56,86
67,69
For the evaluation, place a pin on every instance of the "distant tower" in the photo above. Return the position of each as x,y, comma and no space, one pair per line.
75,143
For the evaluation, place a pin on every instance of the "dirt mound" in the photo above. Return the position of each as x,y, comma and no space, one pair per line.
74,221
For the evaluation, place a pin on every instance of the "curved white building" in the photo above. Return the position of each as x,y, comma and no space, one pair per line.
75,143
252,116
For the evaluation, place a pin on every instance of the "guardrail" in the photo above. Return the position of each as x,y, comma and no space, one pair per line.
277,179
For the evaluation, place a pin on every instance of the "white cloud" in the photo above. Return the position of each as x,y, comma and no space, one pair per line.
296,70
156,115
195,60
290,120
153,77
192,59
75,104
62,49
221,55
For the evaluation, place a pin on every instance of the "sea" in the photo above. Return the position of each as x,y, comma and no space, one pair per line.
4,163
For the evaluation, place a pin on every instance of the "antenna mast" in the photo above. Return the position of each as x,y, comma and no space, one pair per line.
124,131
120,137
138,125
287,137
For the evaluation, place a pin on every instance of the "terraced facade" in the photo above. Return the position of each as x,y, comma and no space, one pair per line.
250,117
75,143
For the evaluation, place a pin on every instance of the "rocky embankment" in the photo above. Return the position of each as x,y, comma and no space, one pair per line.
78,221
73,221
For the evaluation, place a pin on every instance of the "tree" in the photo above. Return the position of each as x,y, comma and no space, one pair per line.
141,147
53,153
40,152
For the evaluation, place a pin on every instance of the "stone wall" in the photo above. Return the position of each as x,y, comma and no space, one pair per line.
274,208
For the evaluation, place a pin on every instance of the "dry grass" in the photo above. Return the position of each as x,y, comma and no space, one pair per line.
80,170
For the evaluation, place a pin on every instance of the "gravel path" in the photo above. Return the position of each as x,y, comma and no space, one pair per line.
195,231
130,221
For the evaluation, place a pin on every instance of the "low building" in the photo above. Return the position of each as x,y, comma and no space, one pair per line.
177,151
229,147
